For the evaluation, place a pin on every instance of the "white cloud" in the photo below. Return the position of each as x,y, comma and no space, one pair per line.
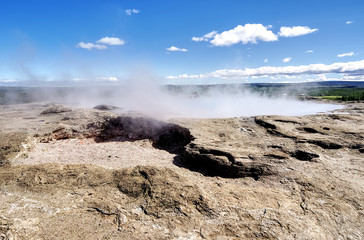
346,54
266,60
252,33
131,11
111,41
295,31
353,78
198,39
90,46
210,34
349,22
101,43
309,51
205,37
176,49
355,68
286,60
249,33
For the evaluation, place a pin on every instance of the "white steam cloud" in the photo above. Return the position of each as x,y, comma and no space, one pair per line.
142,92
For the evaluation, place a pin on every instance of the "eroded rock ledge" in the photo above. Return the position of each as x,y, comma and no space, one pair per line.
212,162
167,136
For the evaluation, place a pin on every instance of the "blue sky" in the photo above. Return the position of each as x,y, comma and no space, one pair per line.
181,42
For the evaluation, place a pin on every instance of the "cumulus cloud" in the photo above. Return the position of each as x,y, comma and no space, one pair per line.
355,68
131,11
309,51
249,33
176,49
349,22
266,60
349,54
295,31
111,41
286,60
90,46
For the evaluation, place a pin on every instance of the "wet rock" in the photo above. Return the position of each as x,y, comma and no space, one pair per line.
260,121
356,146
304,155
325,144
105,107
275,156
309,130
167,136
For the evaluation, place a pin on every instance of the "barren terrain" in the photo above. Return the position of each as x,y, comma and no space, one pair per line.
69,173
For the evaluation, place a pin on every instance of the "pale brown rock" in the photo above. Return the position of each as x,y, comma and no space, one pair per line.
132,177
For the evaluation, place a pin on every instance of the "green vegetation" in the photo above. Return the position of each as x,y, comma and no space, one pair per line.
358,96
339,94
332,97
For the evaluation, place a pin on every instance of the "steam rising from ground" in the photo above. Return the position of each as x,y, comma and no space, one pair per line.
221,105
143,93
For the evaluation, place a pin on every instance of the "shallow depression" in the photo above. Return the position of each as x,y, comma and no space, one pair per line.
106,154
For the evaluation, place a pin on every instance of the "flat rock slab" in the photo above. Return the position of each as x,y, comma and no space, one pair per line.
111,154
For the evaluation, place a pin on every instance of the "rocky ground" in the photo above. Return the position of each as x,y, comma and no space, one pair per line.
93,174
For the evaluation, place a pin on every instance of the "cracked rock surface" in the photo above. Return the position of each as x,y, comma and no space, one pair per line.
70,173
